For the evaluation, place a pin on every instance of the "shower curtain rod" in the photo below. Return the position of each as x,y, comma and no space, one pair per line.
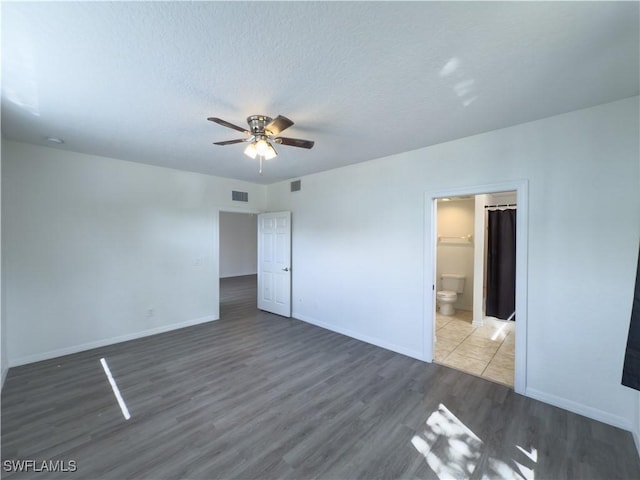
505,205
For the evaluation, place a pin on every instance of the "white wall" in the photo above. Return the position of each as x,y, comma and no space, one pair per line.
98,250
238,244
455,220
358,246
4,360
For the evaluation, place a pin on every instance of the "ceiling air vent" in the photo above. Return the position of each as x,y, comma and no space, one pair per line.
239,196
296,185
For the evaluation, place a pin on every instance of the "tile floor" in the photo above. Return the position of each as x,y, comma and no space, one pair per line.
487,351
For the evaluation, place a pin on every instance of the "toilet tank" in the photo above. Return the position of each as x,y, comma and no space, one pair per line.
453,282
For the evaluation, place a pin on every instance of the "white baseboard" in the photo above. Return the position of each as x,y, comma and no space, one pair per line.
636,438
4,376
365,338
580,409
106,341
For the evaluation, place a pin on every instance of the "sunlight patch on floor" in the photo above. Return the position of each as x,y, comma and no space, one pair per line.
452,450
499,332
116,390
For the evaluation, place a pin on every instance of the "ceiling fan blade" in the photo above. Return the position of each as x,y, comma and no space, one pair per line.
294,142
277,125
224,123
230,142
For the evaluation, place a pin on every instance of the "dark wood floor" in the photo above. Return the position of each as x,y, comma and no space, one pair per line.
255,395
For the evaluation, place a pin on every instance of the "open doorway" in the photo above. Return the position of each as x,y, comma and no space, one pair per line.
238,265
456,261
475,285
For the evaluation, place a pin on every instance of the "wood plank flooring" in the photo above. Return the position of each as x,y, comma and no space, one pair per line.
255,395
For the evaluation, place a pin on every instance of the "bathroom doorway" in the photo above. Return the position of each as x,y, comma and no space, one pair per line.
463,333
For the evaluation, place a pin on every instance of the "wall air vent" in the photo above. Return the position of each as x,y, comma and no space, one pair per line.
296,185
239,196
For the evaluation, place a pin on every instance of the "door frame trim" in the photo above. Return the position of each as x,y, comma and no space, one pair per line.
522,234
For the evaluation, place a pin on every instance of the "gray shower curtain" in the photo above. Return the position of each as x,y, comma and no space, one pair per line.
631,369
501,264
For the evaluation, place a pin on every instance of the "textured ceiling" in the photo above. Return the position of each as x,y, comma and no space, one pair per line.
136,81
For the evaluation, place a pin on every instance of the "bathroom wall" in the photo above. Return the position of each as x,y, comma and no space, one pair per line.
501,198
455,255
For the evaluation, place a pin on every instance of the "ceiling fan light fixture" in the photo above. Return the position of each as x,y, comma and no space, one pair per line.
260,147
265,149
251,150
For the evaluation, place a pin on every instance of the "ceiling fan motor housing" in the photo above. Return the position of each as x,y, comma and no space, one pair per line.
257,123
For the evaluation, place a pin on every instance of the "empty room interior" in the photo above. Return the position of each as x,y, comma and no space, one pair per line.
342,240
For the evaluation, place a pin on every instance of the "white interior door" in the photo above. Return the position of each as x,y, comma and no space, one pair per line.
274,263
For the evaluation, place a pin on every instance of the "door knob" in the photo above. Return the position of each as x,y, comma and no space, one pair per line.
285,269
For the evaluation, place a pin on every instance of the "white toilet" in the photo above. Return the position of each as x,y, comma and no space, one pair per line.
452,284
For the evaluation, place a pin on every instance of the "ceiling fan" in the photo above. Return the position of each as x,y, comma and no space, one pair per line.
263,132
